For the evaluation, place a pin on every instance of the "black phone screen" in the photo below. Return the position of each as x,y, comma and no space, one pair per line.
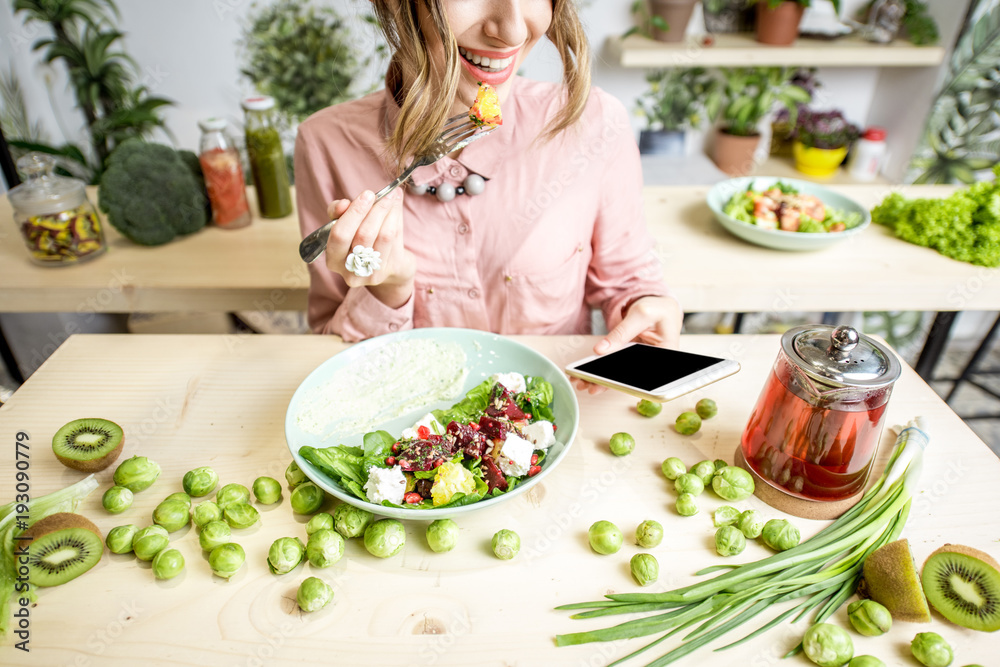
647,366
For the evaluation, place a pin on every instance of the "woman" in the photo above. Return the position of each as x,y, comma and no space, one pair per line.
528,229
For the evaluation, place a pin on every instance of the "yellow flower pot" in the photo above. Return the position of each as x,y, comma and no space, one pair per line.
818,162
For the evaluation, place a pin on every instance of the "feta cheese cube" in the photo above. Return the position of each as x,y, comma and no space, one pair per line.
515,456
514,382
540,433
427,420
385,484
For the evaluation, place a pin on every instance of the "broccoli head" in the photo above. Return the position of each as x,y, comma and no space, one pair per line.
150,195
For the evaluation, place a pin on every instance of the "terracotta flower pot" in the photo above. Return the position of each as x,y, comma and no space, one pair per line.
818,162
778,26
735,154
677,14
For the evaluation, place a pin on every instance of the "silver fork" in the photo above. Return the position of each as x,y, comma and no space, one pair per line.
455,135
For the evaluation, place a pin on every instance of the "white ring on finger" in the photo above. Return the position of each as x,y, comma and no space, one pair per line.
363,261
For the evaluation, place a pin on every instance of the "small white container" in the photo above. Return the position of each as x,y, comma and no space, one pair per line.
866,157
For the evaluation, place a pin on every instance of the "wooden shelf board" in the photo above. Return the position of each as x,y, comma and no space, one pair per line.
742,50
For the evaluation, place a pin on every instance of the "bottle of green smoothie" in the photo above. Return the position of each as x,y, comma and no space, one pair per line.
267,158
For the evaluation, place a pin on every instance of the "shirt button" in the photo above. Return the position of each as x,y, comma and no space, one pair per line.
463,228
473,293
393,326
456,171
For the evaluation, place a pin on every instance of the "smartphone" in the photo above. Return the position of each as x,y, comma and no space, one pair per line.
654,373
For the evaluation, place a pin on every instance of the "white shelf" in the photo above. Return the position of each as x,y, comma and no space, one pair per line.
742,50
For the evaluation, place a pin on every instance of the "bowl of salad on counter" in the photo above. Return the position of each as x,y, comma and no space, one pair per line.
431,423
786,213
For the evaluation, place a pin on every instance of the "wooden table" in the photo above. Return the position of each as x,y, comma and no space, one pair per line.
187,401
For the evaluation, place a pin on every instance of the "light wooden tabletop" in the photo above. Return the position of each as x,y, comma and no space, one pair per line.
187,401
258,268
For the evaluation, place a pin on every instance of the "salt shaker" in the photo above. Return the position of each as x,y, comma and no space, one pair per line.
867,155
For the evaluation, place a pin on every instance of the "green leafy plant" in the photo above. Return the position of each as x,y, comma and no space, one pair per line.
645,20
825,129
751,93
679,98
14,119
918,25
103,78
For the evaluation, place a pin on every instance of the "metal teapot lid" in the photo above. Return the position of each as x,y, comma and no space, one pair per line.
840,356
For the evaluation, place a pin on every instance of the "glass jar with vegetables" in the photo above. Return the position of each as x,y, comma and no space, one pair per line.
220,164
267,158
57,222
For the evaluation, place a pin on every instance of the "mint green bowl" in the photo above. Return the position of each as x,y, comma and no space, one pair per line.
722,192
486,354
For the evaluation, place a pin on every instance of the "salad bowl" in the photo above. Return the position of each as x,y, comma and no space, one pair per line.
485,354
721,193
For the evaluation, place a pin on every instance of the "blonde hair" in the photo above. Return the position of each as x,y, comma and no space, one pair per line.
421,112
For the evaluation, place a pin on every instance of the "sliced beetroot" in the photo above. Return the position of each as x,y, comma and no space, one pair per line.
425,454
501,404
491,473
468,440
492,429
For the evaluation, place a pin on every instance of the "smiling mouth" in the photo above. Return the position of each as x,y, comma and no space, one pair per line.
484,63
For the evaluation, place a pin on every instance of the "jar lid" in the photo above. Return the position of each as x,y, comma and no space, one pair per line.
840,356
42,191
212,124
875,134
259,103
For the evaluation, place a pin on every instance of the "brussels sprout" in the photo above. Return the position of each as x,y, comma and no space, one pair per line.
673,468
181,496
442,535
706,408
384,538
621,444
505,544
232,493
319,521
168,564
119,539
648,408
719,464
649,534
726,515
689,483
869,618
705,470
645,569
226,559
687,423
866,661
205,512
150,541
240,515
307,498
200,481
686,505
325,547
172,515
117,499
828,645
605,538
266,490
751,524
313,594
780,535
729,541
137,473
285,554
931,650
351,521
732,483
213,534
294,475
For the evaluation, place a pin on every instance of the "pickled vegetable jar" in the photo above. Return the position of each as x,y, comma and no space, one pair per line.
57,222
815,429
267,158
220,163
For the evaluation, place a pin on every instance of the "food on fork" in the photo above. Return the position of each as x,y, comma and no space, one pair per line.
485,111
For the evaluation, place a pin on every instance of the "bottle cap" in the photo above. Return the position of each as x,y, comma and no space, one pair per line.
875,134
212,124
258,103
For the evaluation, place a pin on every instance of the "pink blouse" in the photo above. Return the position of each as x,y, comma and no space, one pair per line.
558,230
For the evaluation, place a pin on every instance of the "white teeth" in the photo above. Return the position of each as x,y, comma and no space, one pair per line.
486,63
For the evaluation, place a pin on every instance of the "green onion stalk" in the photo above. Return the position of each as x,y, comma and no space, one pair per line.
821,572
13,523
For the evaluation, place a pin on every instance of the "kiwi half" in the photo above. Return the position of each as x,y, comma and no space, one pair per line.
891,579
88,444
963,584
61,547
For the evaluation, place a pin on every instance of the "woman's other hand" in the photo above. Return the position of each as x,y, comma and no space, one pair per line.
377,225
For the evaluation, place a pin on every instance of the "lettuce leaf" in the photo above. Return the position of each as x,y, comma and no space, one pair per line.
537,398
378,447
340,463
475,401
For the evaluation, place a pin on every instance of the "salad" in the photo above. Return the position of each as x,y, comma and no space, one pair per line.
783,207
493,439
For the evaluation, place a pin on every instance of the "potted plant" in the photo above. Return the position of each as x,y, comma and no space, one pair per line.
662,20
822,139
749,95
723,16
677,100
778,20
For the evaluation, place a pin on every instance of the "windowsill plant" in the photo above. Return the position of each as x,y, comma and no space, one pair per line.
677,100
821,141
778,21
